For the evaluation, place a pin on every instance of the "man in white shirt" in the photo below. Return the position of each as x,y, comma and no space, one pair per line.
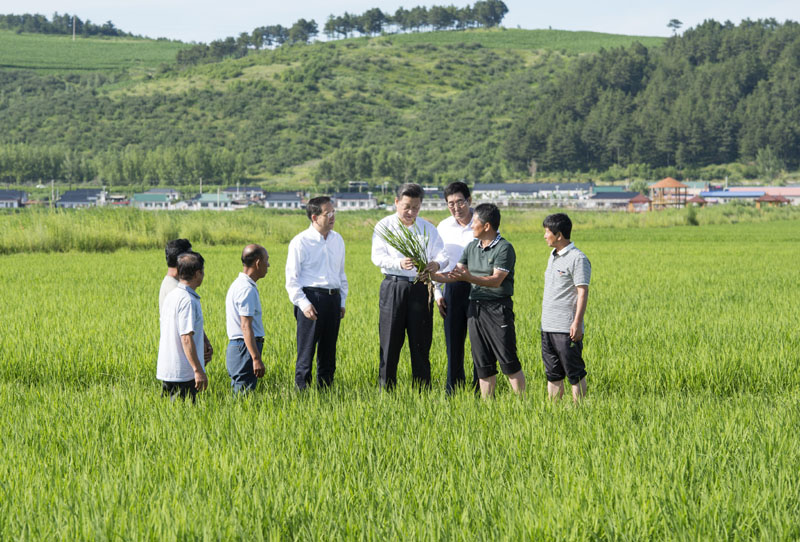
179,368
175,248
453,298
404,304
317,287
244,322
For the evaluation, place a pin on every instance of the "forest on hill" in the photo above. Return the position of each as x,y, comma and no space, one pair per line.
387,110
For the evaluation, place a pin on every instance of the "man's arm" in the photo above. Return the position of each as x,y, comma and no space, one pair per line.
344,287
461,272
200,378
576,329
293,286
252,347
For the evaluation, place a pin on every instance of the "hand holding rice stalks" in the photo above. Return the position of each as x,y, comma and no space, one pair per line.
409,243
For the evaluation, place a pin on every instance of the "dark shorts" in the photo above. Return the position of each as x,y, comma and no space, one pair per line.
174,390
562,358
493,337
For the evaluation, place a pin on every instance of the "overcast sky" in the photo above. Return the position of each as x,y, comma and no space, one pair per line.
207,20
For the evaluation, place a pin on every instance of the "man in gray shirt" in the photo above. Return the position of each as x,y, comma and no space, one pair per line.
566,291
175,248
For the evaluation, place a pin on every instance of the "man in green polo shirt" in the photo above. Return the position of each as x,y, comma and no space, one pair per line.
488,265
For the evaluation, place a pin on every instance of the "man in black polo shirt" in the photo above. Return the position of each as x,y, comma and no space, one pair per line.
488,264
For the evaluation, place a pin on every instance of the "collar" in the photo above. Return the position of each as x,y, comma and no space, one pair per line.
493,243
189,289
459,226
245,277
314,234
563,250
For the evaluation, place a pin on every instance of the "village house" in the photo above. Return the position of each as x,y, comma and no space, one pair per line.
510,194
151,201
83,197
611,200
12,199
352,201
245,192
283,200
171,193
215,202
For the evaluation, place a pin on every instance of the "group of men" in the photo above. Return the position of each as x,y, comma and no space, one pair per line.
468,260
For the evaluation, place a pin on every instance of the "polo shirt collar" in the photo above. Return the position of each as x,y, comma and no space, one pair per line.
189,289
245,277
493,243
564,250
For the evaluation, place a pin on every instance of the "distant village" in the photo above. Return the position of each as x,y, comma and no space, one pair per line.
665,193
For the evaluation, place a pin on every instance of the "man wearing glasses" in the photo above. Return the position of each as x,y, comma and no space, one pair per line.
317,287
453,298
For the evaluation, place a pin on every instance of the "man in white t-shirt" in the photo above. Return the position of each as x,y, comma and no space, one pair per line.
244,323
179,367
175,248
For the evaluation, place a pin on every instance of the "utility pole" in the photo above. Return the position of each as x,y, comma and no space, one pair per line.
201,186
73,28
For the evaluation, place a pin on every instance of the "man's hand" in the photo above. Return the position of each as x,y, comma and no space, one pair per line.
342,312
258,367
432,267
208,350
200,380
460,273
310,312
442,306
407,263
576,331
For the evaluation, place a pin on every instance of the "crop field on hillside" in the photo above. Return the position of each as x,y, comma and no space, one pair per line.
58,53
688,431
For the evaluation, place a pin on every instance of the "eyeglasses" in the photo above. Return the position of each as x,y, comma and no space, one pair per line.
460,203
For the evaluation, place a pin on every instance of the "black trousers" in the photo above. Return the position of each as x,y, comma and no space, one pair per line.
318,335
173,390
404,309
456,297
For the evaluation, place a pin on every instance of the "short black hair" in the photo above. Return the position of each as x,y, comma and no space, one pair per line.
175,248
314,205
412,190
250,256
559,223
488,213
189,263
455,188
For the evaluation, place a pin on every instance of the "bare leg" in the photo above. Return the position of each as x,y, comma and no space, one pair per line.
555,389
517,381
579,390
487,386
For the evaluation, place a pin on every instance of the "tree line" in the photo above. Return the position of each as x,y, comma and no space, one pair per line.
718,94
60,24
132,165
484,13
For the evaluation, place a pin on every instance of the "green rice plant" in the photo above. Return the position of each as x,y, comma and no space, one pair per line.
411,243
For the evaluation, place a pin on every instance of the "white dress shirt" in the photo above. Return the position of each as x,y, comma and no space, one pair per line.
456,238
388,258
243,300
315,262
180,315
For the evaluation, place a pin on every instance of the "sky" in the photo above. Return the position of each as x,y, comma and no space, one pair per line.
207,20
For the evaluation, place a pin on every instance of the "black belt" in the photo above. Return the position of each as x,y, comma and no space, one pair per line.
328,291
400,278
258,339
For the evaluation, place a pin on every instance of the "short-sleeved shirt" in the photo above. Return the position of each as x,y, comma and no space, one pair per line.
243,300
181,314
482,261
566,270
167,285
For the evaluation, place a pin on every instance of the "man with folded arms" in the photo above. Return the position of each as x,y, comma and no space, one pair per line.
404,304
317,287
179,368
243,321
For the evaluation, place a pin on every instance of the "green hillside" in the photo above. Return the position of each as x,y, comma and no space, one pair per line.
59,54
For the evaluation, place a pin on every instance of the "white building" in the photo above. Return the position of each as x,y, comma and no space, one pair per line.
283,200
12,199
352,201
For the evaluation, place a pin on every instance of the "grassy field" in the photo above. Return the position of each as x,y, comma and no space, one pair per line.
687,434
50,53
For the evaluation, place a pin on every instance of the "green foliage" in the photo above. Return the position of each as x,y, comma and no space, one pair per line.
687,424
60,24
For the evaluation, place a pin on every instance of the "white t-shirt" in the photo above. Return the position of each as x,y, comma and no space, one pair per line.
181,314
243,300
167,285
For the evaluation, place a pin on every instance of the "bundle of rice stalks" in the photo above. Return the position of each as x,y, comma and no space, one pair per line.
411,243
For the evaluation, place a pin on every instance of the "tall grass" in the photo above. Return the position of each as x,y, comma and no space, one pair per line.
687,433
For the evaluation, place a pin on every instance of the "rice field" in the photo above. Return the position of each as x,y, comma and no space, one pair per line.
688,433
